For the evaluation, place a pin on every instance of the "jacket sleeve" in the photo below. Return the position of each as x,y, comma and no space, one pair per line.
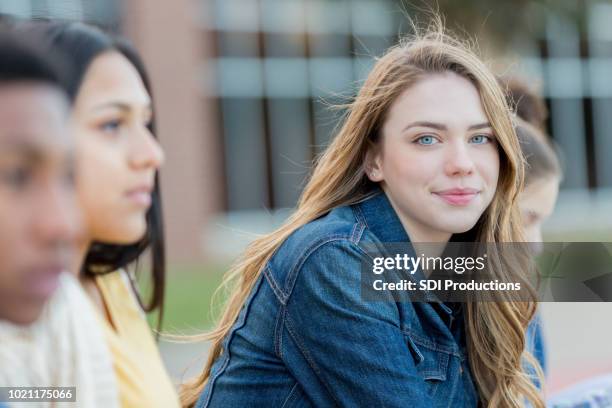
355,349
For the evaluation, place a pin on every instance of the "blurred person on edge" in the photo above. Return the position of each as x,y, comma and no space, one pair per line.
543,175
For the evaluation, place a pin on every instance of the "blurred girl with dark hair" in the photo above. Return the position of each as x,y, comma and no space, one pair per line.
118,158
542,178
543,172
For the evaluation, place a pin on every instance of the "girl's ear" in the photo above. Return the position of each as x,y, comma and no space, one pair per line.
373,164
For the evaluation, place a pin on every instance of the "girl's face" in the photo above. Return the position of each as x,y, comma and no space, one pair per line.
117,156
537,202
438,159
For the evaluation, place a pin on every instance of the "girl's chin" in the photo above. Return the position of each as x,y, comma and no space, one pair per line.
455,226
132,238
125,236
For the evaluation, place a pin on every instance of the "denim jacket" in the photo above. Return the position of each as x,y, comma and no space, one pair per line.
305,338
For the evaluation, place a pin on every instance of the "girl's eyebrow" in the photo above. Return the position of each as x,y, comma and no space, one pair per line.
433,125
441,126
123,106
483,125
119,105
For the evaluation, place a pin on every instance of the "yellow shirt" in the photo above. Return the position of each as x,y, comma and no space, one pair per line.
141,375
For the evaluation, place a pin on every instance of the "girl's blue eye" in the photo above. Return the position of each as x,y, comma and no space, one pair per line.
427,140
111,126
480,139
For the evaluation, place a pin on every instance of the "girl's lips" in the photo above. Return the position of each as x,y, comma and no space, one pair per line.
457,197
142,198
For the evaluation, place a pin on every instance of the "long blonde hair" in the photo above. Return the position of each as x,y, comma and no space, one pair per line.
495,330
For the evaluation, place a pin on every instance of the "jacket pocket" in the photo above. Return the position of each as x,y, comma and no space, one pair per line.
431,363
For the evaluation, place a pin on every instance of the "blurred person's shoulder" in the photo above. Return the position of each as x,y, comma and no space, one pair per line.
594,392
117,288
64,346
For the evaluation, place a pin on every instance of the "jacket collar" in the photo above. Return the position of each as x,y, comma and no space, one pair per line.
380,217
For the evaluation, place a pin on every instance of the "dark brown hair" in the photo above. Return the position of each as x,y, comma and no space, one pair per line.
527,104
541,158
